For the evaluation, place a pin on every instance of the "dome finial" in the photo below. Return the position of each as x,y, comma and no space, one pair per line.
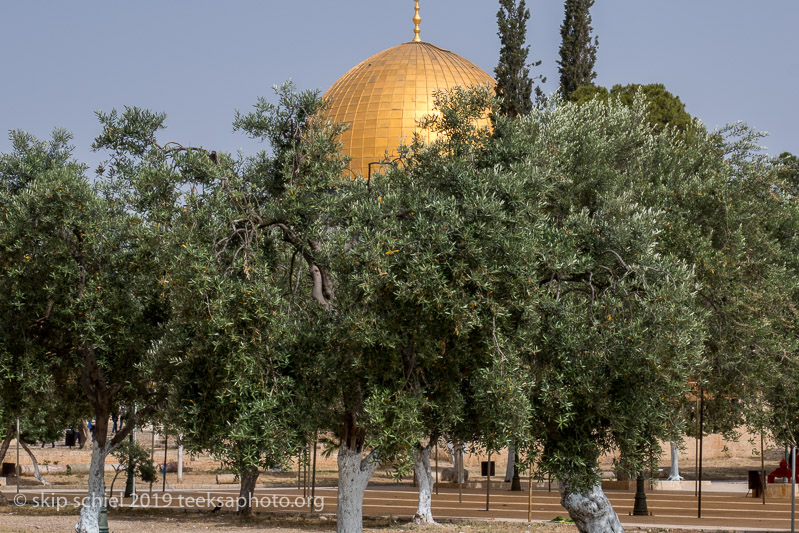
416,20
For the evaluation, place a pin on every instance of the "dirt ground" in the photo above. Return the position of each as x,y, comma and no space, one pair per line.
28,520
729,469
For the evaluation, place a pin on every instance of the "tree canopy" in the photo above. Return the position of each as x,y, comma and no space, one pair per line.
514,85
577,49
559,282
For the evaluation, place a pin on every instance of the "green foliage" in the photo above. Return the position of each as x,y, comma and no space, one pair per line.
577,50
788,172
514,85
780,380
298,140
133,456
225,337
30,156
27,391
67,257
618,334
432,273
664,109
563,286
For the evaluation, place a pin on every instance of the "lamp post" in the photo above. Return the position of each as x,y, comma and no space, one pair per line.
762,468
166,449
640,509
102,520
488,483
701,434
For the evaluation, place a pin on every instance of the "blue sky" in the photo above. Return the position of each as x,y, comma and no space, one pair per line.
199,60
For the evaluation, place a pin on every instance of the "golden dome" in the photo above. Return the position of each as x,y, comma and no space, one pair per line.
383,97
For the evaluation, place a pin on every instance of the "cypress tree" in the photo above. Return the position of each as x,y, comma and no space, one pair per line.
577,50
514,84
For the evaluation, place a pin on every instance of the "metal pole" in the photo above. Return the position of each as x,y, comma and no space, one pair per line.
488,481
130,481
793,489
640,508
762,468
696,454
133,439
299,471
166,447
152,454
436,467
459,476
313,476
701,433
19,468
530,497
307,468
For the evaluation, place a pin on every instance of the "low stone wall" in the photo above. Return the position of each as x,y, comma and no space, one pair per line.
27,470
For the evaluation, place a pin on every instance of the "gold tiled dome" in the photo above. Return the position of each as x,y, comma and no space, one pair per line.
383,97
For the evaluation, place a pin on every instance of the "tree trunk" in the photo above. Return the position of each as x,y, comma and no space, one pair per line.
85,436
516,482
90,512
354,472
424,513
117,470
36,473
674,475
180,459
511,464
249,477
457,462
7,442
590,510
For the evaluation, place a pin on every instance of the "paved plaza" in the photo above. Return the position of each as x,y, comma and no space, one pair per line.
725,508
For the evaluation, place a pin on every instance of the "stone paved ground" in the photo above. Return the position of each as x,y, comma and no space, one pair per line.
189,510
45,522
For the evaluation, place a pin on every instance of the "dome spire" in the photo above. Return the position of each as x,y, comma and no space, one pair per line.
416,20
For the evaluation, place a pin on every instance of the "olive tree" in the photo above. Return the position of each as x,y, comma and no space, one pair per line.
79,271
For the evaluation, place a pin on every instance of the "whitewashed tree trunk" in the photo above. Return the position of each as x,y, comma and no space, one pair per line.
180,461
451,449
354,472
674,474
591,510
90,512
511,464
424,513
36,472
